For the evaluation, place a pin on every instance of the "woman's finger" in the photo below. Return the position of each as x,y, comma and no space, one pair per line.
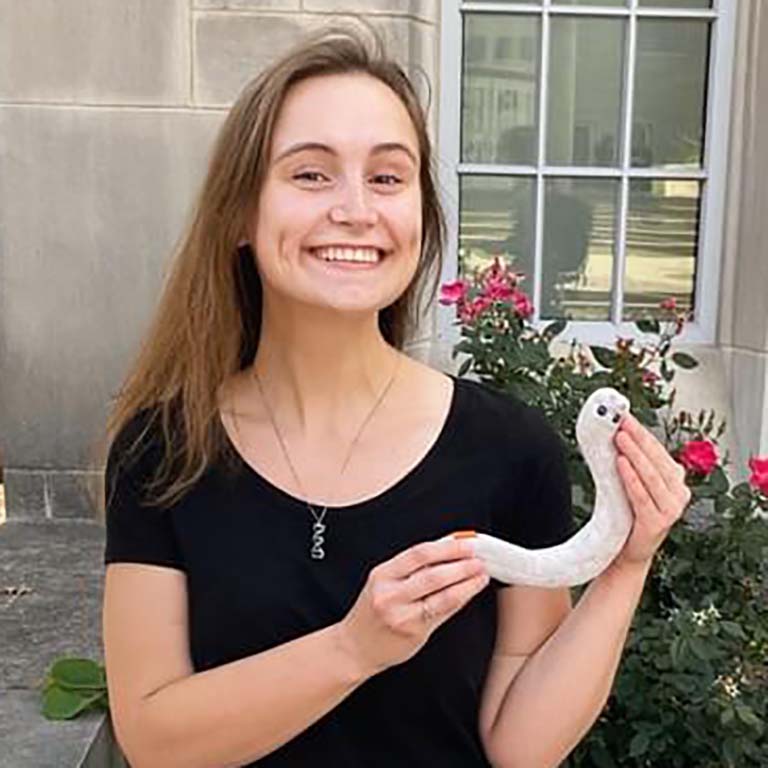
654,486
649,444
435,578
426,553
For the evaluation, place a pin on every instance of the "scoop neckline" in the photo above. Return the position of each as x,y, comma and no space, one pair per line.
388,495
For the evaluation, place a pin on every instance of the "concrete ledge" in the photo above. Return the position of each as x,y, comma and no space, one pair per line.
60,563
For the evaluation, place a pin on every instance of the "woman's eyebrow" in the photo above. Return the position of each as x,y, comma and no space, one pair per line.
387,146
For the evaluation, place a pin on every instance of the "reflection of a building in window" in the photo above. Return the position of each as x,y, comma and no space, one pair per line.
499,104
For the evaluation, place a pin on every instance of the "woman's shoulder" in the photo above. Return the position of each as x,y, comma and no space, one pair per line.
504,416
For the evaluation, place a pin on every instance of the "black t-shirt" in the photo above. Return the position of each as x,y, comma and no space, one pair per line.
496,467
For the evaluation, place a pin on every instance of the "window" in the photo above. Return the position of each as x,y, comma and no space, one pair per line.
598,166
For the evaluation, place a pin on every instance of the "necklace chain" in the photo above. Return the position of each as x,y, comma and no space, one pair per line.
318,528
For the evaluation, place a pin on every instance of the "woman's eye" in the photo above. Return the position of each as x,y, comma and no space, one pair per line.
392,179
309,176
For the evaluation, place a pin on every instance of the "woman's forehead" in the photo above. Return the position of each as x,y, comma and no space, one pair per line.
349,111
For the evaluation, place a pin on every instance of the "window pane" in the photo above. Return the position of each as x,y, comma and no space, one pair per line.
604,3
497,219
578,249
662,233
675,3
583,120
670,93
500,88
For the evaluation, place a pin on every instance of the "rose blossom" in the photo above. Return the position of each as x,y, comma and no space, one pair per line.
498,290
470,311
670,303
523,305
453,293
759,477
649,377
699,456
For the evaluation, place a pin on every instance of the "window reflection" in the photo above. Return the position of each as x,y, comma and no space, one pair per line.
662,234
500,85
670,93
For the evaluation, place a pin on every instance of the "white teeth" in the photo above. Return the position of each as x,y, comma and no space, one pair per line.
370,255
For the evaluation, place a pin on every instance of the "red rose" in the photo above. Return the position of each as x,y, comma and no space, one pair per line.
498,290
670,303
759,477
471,311
699,456
649,377
523,305
453,293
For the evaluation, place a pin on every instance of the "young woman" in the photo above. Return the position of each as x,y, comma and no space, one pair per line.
280,472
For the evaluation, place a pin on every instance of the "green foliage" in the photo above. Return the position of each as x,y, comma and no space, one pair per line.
72,686
692,688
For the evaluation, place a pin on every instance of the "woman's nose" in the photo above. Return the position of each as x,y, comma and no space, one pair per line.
354,207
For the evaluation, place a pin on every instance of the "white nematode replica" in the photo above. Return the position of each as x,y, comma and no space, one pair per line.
591,549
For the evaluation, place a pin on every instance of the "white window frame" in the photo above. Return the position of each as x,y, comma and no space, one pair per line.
714,168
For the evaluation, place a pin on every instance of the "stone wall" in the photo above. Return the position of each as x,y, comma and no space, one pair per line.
744,310
107,111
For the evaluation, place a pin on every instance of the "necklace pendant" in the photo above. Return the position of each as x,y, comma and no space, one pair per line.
317,552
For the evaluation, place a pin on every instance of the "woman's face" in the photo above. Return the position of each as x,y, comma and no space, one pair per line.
342,183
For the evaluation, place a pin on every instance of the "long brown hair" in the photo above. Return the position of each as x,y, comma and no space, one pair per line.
207,323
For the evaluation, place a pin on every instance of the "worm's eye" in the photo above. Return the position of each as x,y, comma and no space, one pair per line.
601,410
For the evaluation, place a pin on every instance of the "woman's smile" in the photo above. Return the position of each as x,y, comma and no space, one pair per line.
347,258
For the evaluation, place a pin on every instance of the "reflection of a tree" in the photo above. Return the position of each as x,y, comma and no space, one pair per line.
567,228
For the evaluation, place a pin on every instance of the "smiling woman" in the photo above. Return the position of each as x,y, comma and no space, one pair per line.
287,608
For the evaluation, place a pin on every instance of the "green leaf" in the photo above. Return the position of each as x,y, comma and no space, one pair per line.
699,648
59,704
733,629
74,673
554,329
719,480
639,744
747,716
464,367
727,716
606,357
601,756
684,360
677,651
648,326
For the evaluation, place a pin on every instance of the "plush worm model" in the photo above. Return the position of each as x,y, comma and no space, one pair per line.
590,550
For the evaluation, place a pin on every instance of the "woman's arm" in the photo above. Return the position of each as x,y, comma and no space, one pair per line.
241,711
561,689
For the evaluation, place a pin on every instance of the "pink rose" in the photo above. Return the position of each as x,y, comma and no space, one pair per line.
523,305
699,456
453,293
496,272
470,311
670,303
759,477
498,290
649,377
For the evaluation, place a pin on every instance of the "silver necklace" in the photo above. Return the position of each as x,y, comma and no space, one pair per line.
318,528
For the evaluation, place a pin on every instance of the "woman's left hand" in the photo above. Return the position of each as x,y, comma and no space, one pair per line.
655,486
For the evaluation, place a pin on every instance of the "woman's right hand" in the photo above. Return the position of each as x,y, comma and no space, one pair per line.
386,625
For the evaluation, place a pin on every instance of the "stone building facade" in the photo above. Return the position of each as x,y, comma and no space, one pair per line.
107,111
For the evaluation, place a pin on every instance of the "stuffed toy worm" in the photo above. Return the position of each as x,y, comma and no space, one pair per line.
591,549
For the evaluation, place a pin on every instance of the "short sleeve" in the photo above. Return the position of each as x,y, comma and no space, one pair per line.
538,509
135,532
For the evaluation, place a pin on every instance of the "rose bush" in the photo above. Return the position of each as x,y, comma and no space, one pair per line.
692,689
